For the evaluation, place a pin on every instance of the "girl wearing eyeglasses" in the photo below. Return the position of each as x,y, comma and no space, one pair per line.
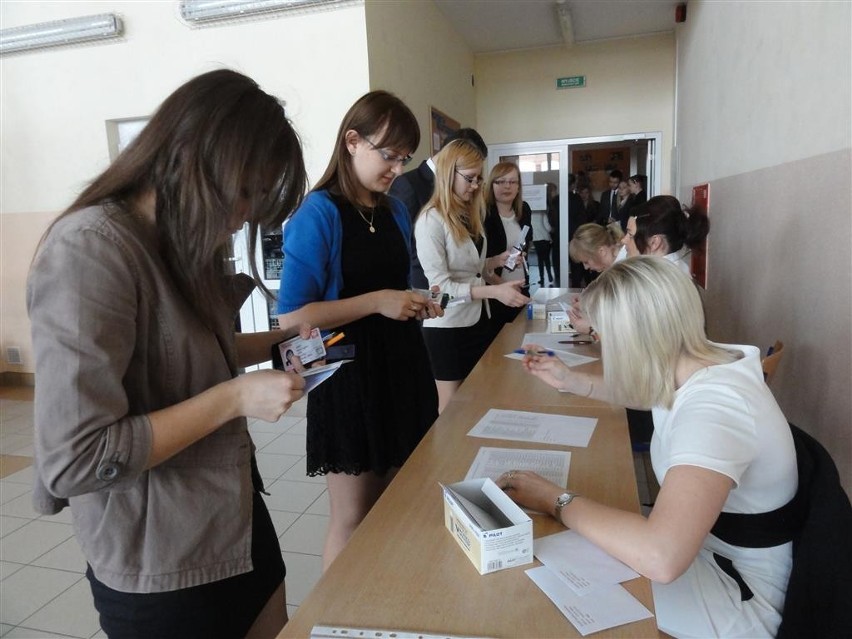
506,215
452,248
346,268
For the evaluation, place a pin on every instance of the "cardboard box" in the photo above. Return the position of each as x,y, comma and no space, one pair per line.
491,529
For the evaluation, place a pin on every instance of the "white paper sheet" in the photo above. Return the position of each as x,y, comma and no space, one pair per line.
523,426
582,565
493,462
317,375
569,359
556,342
605,608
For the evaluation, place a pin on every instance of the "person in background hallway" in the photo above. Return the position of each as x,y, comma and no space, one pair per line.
662,227
506,214
608,212
553,222
452,249
543,245
346,268
575,220
140,414
636,186
415,187
721,444
590,206
624,202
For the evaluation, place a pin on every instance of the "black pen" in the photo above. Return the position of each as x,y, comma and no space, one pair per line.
576,341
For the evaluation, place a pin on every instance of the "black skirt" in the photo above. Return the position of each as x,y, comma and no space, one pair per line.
454,352
223,609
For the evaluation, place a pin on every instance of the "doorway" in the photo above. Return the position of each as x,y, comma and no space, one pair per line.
552,161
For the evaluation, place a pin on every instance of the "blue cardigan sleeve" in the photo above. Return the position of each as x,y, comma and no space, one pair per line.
312,243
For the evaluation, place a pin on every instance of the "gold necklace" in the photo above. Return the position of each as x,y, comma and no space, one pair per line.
364,217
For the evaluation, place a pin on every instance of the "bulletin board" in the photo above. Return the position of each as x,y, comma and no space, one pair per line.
442,125
700,200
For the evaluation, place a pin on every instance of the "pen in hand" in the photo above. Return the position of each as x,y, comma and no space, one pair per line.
521,351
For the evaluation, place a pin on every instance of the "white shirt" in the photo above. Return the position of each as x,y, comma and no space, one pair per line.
513,238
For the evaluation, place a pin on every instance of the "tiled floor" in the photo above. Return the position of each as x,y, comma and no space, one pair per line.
43,589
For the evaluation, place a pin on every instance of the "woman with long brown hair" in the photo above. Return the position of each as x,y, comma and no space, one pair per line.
140,414
346,267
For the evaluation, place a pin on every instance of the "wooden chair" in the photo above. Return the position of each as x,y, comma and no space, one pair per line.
771,361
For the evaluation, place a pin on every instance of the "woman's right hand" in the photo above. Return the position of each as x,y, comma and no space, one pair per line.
548,368
509,294
267,394
399,305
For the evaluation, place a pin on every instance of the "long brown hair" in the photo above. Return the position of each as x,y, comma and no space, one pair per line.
463,218
217,144
375,113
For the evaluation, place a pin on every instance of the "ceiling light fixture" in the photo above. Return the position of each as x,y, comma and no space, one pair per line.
566,24
60,32
200,11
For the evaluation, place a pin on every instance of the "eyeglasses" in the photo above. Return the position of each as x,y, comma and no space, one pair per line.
474,180
502,182
389,157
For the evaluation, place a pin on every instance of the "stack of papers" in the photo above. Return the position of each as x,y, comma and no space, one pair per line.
493,462
583,582
523,426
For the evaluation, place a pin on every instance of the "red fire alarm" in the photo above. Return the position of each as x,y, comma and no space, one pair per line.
680,12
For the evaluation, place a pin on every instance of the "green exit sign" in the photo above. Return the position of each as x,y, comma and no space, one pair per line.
571,82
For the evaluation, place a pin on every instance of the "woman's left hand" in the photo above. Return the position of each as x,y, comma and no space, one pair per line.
497,261
530,490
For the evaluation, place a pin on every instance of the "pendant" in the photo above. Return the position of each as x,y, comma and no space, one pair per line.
372,230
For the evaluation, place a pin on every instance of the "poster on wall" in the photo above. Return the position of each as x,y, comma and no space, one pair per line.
442,126
701,201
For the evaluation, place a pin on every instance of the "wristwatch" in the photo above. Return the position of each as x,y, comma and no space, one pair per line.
563,500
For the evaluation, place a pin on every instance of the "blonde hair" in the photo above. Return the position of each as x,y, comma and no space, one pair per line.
648,314
590,238
463,218
501,169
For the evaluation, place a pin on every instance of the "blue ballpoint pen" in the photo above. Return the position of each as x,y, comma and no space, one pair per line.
521,351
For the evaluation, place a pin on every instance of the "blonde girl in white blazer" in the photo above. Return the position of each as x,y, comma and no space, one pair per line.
451,247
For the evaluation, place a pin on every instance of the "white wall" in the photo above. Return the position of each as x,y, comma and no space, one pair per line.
630,89
416,53
54,105
764,103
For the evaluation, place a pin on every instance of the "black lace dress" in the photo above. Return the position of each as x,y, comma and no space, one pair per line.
372,413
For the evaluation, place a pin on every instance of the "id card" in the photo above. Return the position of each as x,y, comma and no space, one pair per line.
441,299
296,353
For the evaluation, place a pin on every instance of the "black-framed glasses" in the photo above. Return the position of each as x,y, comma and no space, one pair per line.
389,157
502,182
475,180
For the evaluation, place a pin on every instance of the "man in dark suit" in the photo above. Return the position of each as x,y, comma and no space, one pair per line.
415,187
608,210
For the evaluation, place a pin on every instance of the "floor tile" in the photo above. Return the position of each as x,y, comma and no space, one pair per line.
303,572
286,444
62,517
320,506
4,628
7,568
72,612
15,444
271,467
298,472
284,423
282,520
10,491
24,476
8,524
261,439
21,632
299,408
291,610
33,540
299,428
34,587
65,556
18,424
21,506
292,496
306,535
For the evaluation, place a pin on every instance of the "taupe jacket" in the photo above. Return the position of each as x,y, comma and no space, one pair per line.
114,340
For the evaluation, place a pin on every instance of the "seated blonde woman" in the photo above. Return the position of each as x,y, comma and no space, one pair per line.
720,444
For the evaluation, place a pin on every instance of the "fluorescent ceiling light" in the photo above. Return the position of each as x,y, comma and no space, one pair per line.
209,10
59,32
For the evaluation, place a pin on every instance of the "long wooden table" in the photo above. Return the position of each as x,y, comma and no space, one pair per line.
403,570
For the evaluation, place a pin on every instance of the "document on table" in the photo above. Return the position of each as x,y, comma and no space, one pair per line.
604,608
317,375
336,632
556,342
582,565
493,462
523,426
